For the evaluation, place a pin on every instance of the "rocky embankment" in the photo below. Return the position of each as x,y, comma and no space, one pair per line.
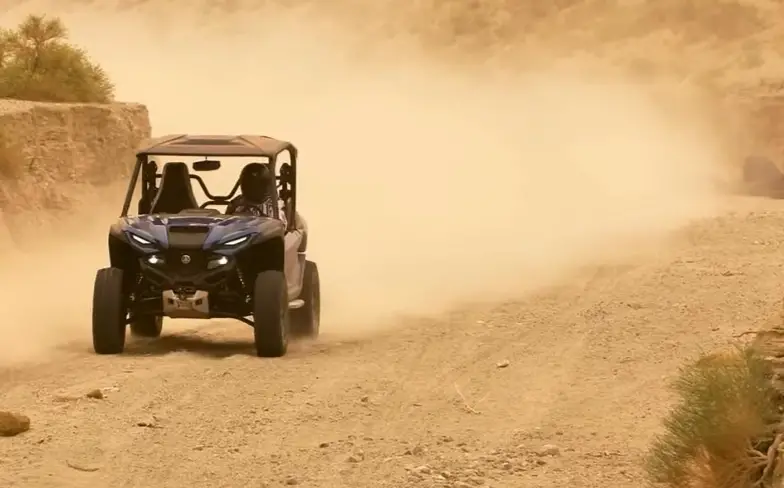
56,157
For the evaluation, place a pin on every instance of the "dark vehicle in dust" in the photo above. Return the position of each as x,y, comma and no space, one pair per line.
180,259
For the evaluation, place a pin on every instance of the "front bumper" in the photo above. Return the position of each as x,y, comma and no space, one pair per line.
206,286
186,271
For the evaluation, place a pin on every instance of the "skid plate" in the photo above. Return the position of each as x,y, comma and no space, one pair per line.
196,306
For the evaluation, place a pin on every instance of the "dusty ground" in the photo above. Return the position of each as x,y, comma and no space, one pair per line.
576,204
424,405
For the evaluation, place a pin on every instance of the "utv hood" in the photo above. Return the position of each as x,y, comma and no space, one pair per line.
198,232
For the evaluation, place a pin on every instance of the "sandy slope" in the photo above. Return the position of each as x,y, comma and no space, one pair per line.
524,179
588,363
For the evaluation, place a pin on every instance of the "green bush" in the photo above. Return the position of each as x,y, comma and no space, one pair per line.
724,432
37,63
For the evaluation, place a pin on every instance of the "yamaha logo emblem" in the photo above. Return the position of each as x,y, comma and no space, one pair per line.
185,259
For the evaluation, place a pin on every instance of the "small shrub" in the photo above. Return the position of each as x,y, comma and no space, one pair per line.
37,63
720,433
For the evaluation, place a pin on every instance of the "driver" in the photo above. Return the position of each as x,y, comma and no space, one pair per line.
256,179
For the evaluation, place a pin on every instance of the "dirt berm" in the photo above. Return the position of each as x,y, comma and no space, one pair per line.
57,157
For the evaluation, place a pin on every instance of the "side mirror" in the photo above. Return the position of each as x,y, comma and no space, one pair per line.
206,165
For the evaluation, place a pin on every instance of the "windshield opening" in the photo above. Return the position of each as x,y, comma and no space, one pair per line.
219,182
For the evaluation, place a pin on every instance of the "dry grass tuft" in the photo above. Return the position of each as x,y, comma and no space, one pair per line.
724,432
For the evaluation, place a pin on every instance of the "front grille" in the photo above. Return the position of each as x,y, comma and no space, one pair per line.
175,265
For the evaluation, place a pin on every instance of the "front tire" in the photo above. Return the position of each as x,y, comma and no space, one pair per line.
109,312
271,314
147,326
305,321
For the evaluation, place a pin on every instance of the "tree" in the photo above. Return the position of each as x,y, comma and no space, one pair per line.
37,63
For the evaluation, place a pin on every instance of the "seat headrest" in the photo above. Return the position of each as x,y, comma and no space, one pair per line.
175,169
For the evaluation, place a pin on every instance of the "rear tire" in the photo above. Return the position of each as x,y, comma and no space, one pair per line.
147,326
271,314
109,312
306,320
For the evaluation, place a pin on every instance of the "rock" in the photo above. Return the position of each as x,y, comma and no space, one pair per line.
503,364
324,445
424,469
548,450
53,145
95,394
356,457
291,481
461,484
12,424
150,423
415,451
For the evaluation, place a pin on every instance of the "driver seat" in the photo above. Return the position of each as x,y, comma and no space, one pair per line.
175,193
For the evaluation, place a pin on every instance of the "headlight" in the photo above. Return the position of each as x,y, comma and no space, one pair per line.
155,259
237,241
140,240
216,263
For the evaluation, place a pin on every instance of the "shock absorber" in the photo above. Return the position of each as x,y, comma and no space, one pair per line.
244,286
136,288
241,278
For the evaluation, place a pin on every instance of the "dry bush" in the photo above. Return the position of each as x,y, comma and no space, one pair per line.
723,433
37,63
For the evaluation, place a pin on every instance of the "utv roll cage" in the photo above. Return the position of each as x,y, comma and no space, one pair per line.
206,146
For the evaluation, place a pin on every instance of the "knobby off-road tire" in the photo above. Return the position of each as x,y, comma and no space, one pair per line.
109,312
271,314
147,326
305,321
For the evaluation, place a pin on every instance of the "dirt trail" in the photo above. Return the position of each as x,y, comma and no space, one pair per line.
587,367
506,209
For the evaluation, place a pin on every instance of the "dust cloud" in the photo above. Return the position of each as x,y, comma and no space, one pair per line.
424,184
